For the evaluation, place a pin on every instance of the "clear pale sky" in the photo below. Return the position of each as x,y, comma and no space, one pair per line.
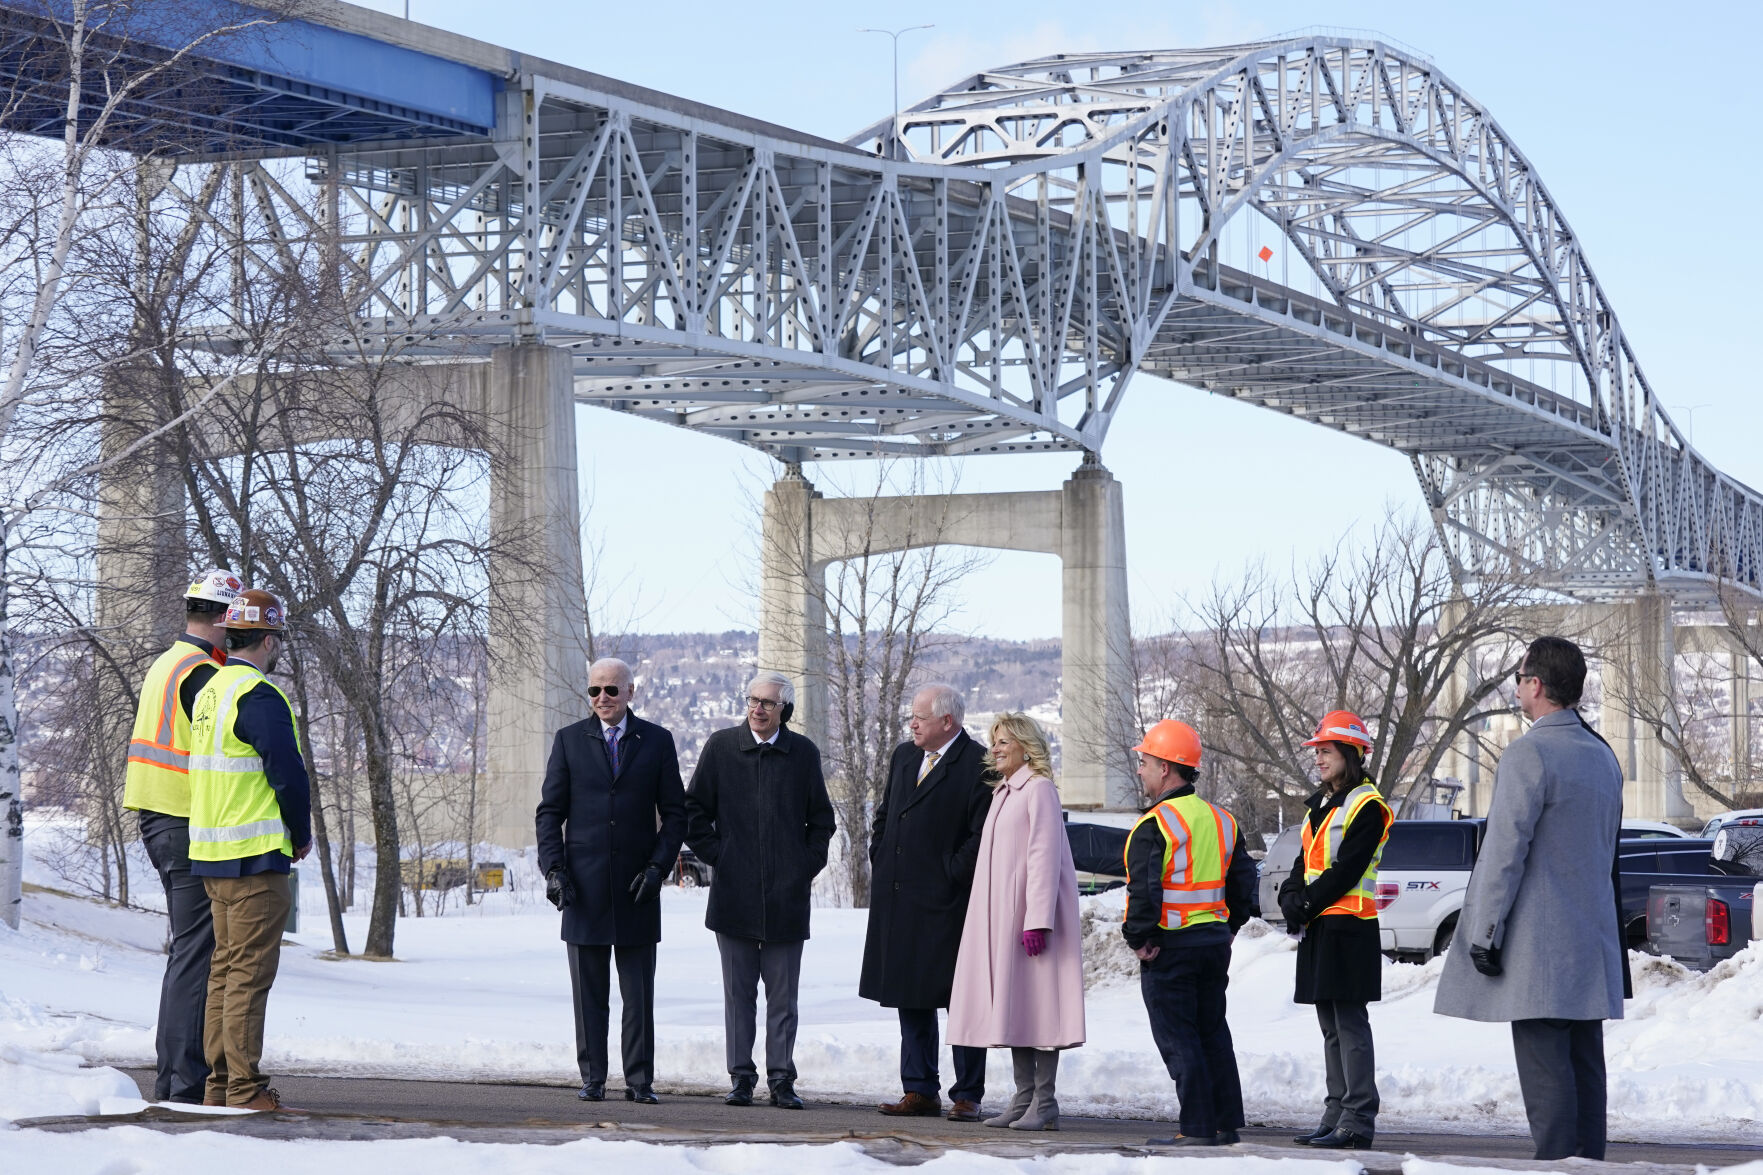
1632,113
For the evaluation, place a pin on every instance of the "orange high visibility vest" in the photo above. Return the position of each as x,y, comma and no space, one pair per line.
1198,839
158,777
1323,846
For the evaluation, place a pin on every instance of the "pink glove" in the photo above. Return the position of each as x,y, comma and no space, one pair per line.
1034,942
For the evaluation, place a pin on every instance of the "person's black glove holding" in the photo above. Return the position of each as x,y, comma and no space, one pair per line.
1486,960
646,885
1291,904
559,889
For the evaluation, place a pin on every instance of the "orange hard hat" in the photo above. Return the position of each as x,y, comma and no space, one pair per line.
1341,726
253,608
1173,742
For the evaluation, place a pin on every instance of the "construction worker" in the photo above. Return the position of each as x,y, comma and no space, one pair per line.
249,821
1330,900
157,789
1189,884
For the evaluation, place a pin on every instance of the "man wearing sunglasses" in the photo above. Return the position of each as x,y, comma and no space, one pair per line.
611,817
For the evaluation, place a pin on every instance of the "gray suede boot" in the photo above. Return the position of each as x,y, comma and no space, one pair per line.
1043,1112
1023,1062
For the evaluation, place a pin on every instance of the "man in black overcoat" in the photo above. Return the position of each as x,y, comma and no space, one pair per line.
611,817
922,850
759,814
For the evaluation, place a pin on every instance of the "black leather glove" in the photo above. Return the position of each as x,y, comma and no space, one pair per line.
1486,960
646,885
1292,906
559,889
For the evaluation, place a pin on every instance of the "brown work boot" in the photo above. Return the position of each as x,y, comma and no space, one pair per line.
913,1105
963,1111
266,1099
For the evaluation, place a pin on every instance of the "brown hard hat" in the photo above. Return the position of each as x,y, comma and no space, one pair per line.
253,608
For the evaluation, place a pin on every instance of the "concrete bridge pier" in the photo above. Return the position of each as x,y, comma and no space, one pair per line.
538,610
1083,523
1635,644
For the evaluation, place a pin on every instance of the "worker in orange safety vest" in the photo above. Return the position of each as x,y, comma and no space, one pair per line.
1190,883
1330,900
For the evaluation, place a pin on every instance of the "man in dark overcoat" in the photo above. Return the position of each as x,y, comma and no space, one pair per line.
1539,941
611,817
759,814
922,850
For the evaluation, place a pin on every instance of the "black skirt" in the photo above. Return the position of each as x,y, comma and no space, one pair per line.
1340,958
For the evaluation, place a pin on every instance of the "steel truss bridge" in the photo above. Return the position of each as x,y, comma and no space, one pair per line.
1327,227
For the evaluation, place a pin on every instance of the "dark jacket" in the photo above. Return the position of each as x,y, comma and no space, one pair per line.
606,831
1340,957
1143,924
922,847
758,813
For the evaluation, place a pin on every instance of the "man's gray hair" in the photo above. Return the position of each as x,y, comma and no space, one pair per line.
624,669
945,700
786,689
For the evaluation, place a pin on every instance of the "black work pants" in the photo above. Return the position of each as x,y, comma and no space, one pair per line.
590,978
1183,989
918,1060
181,1072
746,961
1350,1067
1561,1074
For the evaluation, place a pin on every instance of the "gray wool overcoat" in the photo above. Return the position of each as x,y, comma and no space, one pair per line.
1541,890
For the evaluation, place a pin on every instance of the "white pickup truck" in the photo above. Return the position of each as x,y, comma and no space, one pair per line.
1420,882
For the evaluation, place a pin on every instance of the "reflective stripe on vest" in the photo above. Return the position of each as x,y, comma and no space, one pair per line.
234,812
158,772
1198,839
1323,846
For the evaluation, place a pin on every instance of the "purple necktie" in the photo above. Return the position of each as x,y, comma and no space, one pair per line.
612,747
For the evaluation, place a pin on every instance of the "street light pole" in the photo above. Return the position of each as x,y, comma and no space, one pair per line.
895,35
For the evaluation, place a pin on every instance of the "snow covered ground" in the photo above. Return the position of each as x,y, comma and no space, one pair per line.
485,994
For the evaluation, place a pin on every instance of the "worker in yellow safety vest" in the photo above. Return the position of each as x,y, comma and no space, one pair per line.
156,787
1189,885
250,819
1330,900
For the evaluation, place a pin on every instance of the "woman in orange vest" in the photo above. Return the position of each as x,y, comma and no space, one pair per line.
1330,902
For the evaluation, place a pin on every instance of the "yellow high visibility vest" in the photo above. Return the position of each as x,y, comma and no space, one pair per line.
233,810
1198,839
158,775
1323,846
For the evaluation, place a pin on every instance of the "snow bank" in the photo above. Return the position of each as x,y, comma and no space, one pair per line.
42,1085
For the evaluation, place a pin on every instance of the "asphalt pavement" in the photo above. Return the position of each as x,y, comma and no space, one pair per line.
366,1108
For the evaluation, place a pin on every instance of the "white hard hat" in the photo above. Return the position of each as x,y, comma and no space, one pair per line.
216,585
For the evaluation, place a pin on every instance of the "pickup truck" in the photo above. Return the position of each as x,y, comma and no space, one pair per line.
1701,924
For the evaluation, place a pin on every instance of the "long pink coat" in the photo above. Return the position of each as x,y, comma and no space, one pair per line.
1023,880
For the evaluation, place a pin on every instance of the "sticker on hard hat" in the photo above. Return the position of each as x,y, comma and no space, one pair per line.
253,613
272,615
232,583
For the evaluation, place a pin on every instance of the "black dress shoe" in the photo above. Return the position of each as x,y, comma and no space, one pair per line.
592,1091
783,1096
1342,1140
1185,1140
1228,1138
1319,1132
741,1094
641,1093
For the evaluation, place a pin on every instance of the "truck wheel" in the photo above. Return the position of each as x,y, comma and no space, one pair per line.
1442,940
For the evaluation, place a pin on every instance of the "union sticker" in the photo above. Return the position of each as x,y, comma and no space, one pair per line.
253,614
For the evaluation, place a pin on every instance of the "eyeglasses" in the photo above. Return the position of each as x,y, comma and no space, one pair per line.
766,704
595,691
1520,675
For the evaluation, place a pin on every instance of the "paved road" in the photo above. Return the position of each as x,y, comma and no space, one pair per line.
369,1108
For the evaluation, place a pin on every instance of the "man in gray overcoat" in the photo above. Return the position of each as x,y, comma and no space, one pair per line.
1539,942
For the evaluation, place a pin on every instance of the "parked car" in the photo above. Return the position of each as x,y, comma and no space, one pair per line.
1098,853
690,872
1421,879
1749,817
1642,864
1650,830
1701,924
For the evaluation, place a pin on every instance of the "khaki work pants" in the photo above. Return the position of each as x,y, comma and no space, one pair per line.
249,914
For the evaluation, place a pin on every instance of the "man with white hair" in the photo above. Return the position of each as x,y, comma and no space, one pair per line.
759,814
922,850
611,816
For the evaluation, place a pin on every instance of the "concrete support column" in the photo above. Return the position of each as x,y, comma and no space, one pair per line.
1638,652
1739,707
538,611
141,571
1096,643
792,600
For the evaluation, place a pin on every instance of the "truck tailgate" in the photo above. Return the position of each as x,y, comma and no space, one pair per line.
1677,922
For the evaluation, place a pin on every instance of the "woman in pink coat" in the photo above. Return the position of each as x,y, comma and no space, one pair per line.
1019,981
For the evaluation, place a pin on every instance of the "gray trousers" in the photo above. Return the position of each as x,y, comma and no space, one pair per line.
745,961
590,978
182,1072
1351,1067
1561,1074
